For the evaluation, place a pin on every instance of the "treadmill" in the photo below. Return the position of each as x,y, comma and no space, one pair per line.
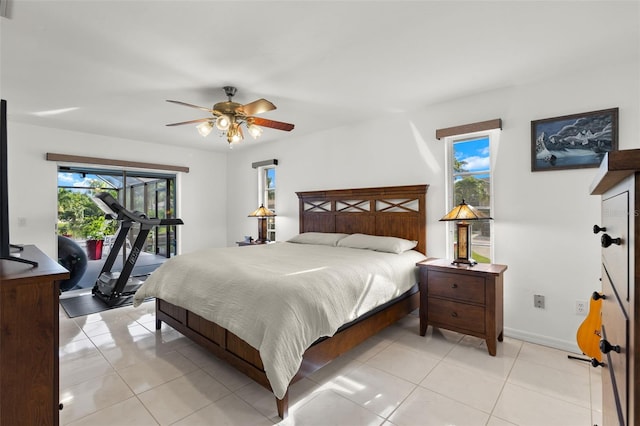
116,288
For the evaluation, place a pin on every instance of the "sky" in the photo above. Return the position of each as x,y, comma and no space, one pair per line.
474,152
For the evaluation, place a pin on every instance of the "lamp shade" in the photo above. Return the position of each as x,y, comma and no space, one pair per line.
262,211
223,122
254,130
204,128
464,211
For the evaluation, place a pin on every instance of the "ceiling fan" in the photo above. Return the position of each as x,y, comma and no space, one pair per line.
228,116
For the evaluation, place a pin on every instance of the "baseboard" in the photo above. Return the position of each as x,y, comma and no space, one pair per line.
539,339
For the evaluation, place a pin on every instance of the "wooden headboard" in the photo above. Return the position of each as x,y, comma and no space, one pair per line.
391,211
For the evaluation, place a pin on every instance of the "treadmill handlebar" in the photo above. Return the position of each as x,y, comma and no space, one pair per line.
112,207
171,222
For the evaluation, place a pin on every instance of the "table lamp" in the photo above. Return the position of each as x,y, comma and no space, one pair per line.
262,213
462,214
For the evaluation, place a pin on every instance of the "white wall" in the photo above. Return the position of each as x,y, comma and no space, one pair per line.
542,222
202,192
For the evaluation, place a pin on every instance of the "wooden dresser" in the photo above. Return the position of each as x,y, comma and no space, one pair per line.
466,299
29,393
618,183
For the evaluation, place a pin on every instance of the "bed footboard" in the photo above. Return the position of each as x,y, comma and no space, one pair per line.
216,339
229,347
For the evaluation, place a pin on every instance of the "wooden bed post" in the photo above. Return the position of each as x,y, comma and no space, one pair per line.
283,405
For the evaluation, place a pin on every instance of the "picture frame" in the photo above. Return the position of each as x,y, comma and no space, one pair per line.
573,141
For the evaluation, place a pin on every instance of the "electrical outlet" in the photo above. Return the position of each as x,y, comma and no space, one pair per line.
581,307
538,301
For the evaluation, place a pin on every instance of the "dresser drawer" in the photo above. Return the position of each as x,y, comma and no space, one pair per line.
456,315
461,287
615,217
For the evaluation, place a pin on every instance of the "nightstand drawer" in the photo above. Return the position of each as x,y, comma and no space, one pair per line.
457,286
456,315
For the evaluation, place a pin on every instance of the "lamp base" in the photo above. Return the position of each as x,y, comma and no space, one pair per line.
262,230
469,262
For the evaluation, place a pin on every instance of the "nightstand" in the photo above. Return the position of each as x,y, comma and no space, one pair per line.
249,243
466,299
253,243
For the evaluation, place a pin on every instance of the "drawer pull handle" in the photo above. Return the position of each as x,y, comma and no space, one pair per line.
597,229
454,314
595,363
454,285
606,347
606,240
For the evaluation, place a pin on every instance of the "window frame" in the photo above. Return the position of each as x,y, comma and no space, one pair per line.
493,136
263,197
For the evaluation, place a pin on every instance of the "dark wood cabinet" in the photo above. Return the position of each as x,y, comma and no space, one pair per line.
618,184
466,299
29,393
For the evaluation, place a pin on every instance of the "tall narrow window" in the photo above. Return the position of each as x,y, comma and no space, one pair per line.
469,179
267,196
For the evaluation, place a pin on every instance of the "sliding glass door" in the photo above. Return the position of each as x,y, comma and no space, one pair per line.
82,221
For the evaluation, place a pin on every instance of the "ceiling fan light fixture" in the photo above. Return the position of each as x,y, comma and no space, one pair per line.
223,122
255,131
227,116
234,134
204,128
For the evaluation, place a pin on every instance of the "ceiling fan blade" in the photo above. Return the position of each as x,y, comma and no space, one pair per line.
257,107
271,124
191,106
199,120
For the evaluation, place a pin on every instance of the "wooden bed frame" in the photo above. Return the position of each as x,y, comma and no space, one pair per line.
398,211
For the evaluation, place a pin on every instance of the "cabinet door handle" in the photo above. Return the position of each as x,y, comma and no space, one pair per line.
454,314
606,347
454,285
597,229
606,240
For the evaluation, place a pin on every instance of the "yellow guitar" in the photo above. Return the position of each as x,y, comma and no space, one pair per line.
588,335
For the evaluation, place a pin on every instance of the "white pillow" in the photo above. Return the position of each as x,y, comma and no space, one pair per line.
321,238
377,243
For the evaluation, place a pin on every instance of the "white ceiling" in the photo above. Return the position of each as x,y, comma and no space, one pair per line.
107,67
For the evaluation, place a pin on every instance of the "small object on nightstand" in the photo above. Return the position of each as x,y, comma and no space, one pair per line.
251,242
248,241
461,298
462,214
262,213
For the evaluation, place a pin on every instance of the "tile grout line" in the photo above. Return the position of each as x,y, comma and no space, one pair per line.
504,383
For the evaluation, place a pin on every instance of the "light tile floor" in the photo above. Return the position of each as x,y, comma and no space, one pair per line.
115,369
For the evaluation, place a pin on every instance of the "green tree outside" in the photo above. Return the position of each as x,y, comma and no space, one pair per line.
79,216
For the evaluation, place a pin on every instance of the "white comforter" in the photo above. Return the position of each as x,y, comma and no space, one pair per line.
281,297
